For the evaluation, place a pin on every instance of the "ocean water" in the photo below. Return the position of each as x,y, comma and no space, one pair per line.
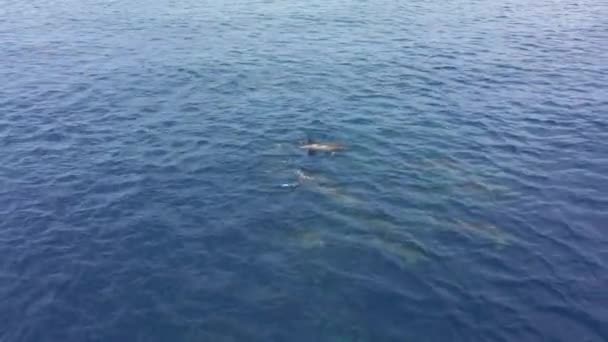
152,187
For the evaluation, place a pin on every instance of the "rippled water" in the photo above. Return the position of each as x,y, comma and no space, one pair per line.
152,188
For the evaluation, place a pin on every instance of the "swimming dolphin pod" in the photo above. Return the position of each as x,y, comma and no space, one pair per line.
404,253
312,148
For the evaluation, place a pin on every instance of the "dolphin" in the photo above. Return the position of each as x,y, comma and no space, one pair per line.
304,176
314,147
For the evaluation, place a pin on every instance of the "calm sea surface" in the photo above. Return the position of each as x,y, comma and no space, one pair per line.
152,187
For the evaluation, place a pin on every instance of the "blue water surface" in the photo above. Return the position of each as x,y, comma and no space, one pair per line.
152,187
